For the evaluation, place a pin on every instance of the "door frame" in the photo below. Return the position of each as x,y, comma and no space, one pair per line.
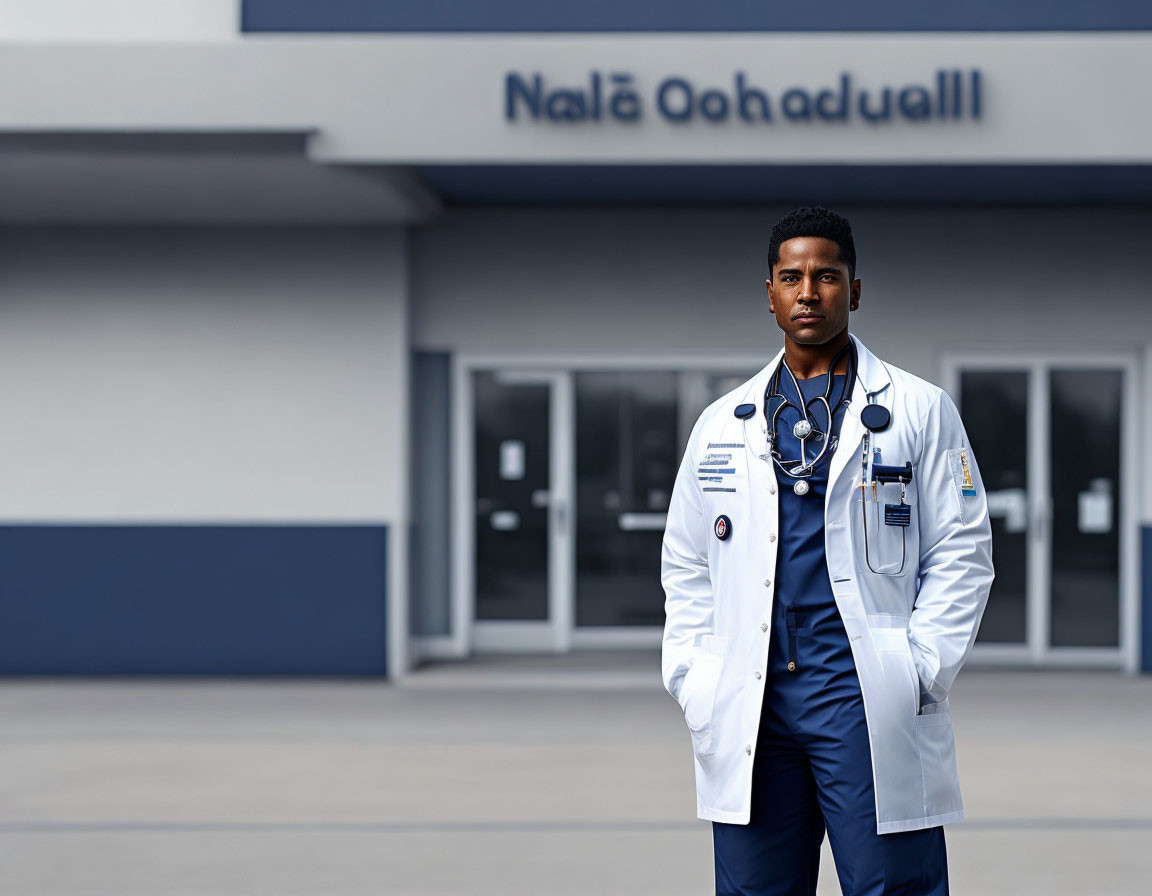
1036,651
466,634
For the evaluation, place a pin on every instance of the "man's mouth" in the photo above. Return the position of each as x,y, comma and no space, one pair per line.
808,318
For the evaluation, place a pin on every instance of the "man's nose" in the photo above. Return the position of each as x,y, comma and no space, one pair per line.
808,291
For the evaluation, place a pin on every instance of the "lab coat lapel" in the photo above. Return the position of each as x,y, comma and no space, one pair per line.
756,427
847,448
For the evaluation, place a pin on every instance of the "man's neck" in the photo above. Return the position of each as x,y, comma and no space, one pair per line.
807,361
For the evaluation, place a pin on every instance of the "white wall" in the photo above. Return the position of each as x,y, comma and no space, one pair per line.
625,282
192,375
208,376
118,20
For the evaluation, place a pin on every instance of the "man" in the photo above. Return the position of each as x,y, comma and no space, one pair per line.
826,562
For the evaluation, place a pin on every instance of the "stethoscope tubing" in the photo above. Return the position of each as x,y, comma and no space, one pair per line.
806,468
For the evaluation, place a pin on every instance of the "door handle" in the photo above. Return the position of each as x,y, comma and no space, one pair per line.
642,522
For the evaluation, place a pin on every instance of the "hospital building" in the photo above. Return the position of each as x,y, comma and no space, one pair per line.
337,337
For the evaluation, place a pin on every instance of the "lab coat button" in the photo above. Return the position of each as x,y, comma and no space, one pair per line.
748,749
772,536
771,489
757,675
763,626
791,666
767,583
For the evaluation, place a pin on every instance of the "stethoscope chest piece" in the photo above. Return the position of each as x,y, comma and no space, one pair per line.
802,429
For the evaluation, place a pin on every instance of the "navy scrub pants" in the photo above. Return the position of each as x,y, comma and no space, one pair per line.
813,771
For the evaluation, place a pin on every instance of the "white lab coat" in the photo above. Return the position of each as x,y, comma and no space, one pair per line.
909,631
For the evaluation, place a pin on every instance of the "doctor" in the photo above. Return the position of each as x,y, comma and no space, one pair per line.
826,562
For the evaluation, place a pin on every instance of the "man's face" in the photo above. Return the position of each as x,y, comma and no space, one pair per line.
810,292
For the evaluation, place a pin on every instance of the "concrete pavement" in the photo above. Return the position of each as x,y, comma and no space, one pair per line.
524,775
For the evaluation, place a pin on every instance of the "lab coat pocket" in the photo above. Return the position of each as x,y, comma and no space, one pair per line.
884,548
937,744
700,692
898,666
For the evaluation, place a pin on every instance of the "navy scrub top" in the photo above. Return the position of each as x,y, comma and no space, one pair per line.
812,682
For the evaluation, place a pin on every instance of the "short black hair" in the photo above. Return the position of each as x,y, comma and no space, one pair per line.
814,221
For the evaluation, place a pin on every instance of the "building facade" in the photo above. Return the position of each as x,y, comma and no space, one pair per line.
340,335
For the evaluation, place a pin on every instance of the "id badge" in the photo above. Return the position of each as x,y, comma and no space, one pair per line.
897,514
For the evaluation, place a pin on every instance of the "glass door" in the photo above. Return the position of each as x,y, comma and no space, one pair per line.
1050,439
1085,409
520,511
994,407
562,490
627,453
631,429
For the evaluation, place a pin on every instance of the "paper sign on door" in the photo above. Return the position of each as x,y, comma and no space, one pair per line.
511,459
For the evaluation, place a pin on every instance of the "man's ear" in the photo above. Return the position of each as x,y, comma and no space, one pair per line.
854,303
768,285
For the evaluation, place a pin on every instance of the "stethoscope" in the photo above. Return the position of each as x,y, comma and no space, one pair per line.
776,402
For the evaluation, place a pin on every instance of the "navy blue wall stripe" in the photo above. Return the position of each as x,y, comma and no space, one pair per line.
196,600
683,15
1146,600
